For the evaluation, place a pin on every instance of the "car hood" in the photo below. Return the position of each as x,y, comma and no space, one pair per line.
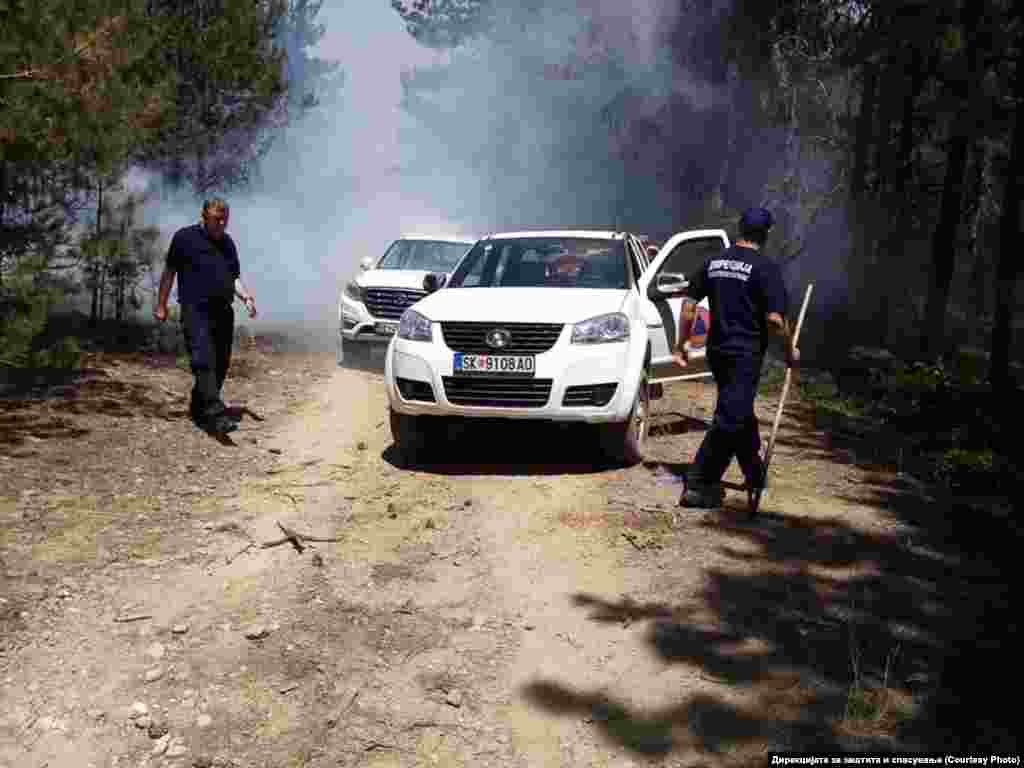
392,278
525,305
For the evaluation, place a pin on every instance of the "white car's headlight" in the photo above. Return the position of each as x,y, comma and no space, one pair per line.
414,327
597,330
355,291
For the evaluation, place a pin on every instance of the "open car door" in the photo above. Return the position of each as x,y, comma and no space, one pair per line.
662,287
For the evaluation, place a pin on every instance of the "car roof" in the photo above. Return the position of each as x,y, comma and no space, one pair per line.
594,234
469,239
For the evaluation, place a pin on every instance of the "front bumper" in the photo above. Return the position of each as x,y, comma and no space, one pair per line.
561,389
357,325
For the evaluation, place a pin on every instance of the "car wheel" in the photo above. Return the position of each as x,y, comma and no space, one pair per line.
624,442
410,435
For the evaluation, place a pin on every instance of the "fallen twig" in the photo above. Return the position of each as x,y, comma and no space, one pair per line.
632,540
239,553
132,617
296,539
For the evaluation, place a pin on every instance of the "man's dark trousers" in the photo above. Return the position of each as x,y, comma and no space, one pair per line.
734,429
209,333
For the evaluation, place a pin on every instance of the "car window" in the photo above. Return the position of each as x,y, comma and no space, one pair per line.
543,262
689,255
429,255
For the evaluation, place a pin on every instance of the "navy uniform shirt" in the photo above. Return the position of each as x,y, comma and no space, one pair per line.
742,286
206,268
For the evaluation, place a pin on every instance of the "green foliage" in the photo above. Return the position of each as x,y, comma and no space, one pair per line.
443,23
918,378
66,354
25,303
975,470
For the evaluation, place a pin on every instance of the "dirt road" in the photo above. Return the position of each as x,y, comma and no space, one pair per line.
509,605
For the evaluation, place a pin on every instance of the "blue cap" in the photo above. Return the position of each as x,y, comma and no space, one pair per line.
756,218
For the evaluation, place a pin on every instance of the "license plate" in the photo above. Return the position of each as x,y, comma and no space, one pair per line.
386,329
512,365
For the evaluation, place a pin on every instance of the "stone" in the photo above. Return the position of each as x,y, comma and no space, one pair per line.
179,629
257,632
454,698
139,709
143,722
154,674
157,729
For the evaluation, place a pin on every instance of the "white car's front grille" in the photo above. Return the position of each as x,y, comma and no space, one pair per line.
523,338
390,303
497,391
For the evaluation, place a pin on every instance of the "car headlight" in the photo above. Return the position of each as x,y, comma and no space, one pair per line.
414,327
355,292
597,330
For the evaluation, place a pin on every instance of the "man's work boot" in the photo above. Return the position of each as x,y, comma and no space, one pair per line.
219,424
702,497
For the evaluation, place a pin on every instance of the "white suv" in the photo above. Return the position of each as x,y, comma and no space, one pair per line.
553,325
371,304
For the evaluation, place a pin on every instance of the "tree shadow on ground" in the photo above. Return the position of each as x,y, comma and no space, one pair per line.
816,634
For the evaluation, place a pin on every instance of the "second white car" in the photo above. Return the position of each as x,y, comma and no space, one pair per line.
372,303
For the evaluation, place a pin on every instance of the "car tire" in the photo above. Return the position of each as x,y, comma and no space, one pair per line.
623,442
410,435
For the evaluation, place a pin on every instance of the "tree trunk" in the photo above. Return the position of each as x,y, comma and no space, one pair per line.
96,309
901,161
865,131
980,190
945,235
1007,263
861,207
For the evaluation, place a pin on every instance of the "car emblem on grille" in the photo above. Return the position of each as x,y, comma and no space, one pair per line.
498,338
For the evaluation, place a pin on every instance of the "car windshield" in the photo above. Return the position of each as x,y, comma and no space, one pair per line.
429,255
543,262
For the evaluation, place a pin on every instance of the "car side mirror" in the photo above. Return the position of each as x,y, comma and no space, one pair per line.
366,263
434,281
667,285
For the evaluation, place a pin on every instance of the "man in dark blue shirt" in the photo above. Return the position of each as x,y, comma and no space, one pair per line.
748,305
205,259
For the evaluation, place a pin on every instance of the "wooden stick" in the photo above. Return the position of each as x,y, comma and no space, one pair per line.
755,497
295,538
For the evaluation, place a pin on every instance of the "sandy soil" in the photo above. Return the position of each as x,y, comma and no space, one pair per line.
512,603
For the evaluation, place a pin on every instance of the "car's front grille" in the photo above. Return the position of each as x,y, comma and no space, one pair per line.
390,303
589,394
497,391
524,338
411,389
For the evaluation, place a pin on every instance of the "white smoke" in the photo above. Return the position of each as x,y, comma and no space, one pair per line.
568,118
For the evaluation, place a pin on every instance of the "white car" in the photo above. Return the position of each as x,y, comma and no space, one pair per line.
371,304
551,325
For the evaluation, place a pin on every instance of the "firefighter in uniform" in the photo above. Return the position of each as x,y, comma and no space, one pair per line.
748,305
